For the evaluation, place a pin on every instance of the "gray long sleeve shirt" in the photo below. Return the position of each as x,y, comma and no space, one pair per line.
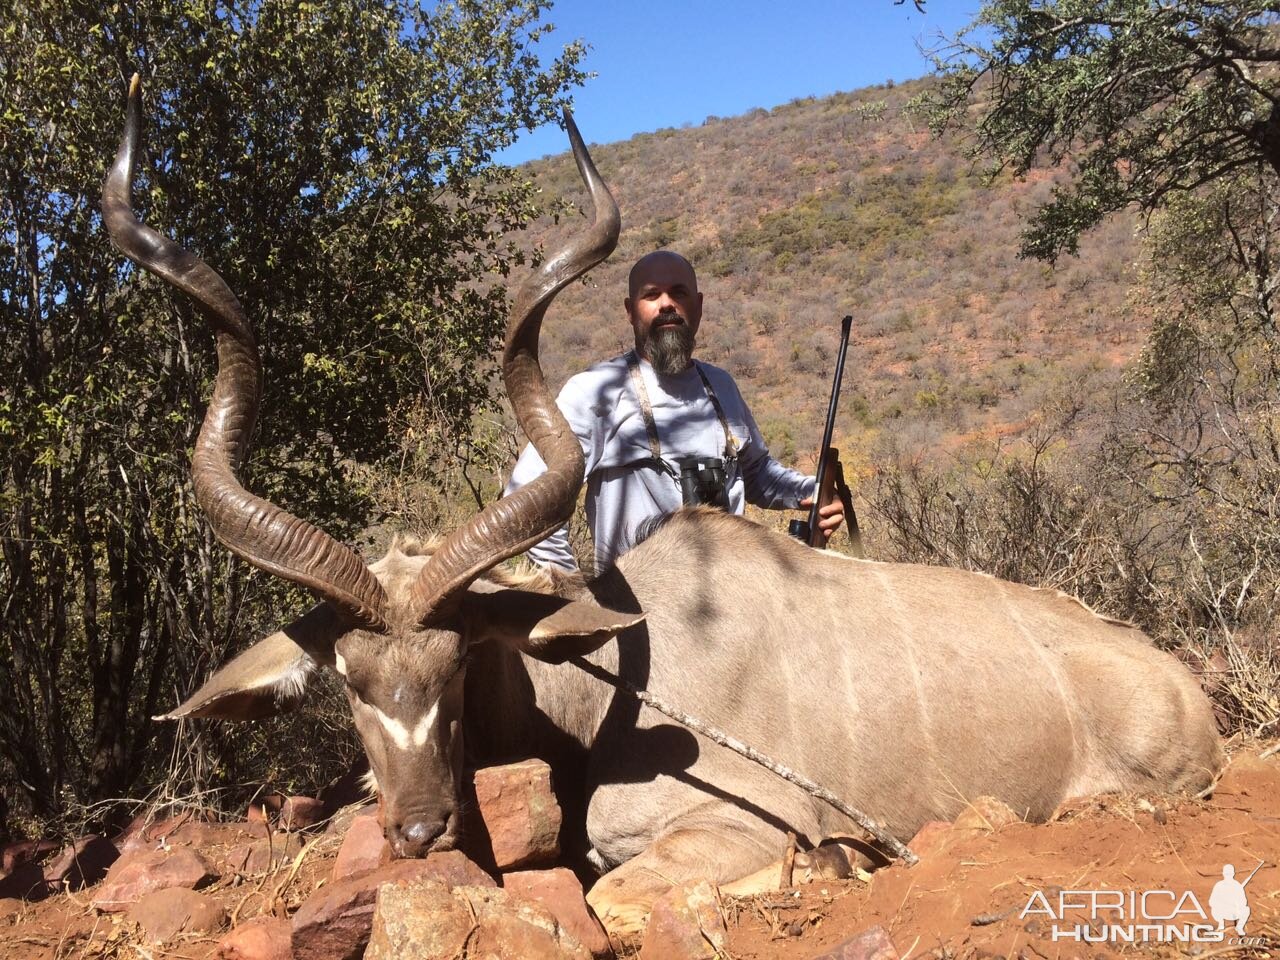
624,486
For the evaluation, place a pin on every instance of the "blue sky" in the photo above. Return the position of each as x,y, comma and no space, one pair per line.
664,64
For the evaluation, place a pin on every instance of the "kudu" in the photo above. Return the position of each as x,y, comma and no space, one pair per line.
907,690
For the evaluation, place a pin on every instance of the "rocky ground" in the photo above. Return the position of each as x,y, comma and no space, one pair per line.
287,883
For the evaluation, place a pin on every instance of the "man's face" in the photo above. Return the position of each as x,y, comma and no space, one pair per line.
664,308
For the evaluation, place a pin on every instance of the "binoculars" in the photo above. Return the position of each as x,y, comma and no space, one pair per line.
702,482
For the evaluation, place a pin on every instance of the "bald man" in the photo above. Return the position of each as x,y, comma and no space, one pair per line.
645,416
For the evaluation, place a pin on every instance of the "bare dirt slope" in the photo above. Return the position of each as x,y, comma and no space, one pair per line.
967,897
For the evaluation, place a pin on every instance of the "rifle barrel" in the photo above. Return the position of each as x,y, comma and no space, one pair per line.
845,326
1255,870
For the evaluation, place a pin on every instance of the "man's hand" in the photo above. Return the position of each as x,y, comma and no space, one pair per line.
829,517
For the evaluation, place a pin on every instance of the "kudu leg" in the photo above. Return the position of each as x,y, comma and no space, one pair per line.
624,896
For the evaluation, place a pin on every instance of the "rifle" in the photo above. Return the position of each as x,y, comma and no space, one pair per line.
1255,870
830,480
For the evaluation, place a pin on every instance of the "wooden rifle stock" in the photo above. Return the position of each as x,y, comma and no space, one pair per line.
825,494
833,485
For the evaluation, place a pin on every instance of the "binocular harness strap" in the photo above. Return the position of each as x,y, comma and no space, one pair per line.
730,444
646,410
651,427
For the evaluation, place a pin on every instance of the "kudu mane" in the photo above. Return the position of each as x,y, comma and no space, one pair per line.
398,570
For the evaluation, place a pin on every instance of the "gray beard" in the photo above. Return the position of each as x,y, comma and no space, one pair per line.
670,349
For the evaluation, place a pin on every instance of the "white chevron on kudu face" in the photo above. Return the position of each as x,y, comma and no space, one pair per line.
400,733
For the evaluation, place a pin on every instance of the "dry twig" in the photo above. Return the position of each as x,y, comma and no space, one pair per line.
293,872
888,840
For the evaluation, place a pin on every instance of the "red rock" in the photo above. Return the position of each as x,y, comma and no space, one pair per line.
200,834
335,922
129,831
931,838
516,928
685,924
262,856
520,813
559,891
13,855
427,921
163,914
265,809
26,883
143,832
81,864
873,944
263,938
341,821
140,872
363,849
420,920
299,813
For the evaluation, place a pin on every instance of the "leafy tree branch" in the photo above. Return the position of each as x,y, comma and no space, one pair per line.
1143,99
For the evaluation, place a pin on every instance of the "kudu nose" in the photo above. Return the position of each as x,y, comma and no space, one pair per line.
414,836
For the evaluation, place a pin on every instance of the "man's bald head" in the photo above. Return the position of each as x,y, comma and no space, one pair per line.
661,265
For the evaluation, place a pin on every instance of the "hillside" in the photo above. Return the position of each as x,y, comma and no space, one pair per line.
798,215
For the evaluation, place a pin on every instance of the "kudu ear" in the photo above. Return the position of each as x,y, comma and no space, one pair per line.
545,627
271,676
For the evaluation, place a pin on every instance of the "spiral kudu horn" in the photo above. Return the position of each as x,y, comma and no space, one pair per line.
515,523
262,533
